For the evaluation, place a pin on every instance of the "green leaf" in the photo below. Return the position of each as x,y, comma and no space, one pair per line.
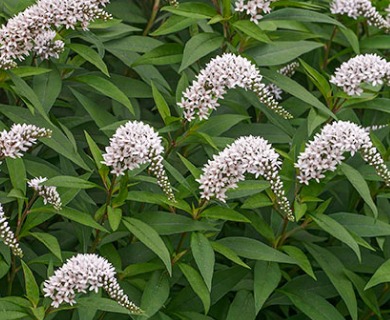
173,24
277,53
295,89
107,88
253,249
197,284
360,185
90,55
150,238
318,79
169,53
161,104
301,258
228,253
252,29
103,304
204,256
114,217
133,270
364,226
70,182
155,294
223,213
48,87
257,201
32,290
193,10
336,230
27,71
334,270
13,315
95,151
193,169
17,174
49,241
166,223
313,305
80,217
351,38
199,46
379,104
242,306
381,275
267,276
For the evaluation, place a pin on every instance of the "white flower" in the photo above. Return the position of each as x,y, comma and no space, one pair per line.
327,150
19,139
254,8
365,68
48,193
133,144
34,29
83,273
246,155
173,3
8,236
287,71
360,8
220,74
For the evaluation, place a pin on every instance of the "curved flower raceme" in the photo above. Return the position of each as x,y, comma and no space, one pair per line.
34,28
360,8
220,74
365,68
82,273
48,193
19,138
288,71
254,8
133,144
246,155
326,151
8,236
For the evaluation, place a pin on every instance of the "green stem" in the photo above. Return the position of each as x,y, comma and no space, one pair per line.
328,46
152,18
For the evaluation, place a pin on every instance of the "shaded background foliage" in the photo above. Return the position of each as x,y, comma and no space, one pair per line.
191,260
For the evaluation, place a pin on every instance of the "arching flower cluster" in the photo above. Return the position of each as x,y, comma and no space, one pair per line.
365,68
82,273
360,8
327,150
220,74
287,71
19,139
48,193
249,154
254,8
8,236
134,144
34,29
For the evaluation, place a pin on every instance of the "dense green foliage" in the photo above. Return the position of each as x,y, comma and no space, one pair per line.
191,258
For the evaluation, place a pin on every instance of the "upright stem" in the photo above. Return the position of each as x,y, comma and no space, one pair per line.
328,46
152,18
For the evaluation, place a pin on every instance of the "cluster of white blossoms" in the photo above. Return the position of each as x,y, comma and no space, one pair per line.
8,236
19,139
82,273
364,68
254,8
133,144
327,150
220,74
174,3
48,193
249,154
360,8
287,71
34,29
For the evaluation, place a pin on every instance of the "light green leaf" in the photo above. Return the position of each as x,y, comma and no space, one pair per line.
150,238
161,104
197,284
204,256
114,217
32,290
199,46
80,217
360,185
228,253
301,258
70,182
381,275
90,55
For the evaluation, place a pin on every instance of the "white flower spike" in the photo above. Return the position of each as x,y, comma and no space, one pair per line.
8,236
83,273
48,193
327,150
133,144
288,71
220,74
254,8
365,68
246,155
